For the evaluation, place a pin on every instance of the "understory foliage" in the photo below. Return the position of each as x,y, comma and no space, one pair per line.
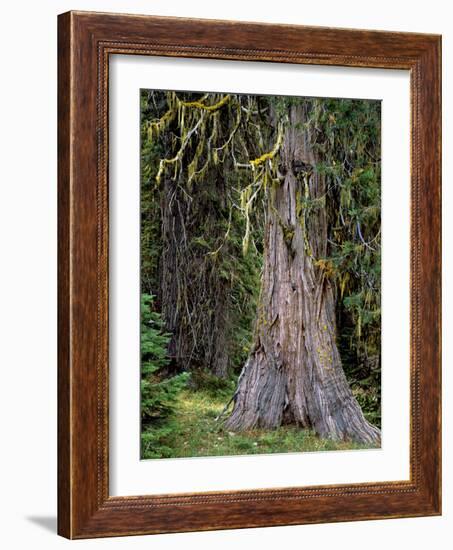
208,165
159,393
193,430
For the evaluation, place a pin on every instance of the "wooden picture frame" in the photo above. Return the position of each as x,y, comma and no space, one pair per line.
85,41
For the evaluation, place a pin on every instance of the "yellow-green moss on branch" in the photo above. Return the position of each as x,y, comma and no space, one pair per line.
200,105
271,154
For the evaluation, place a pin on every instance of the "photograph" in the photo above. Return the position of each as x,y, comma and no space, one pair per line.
260,274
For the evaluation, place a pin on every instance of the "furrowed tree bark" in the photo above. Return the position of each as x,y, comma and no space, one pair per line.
194,299
294,372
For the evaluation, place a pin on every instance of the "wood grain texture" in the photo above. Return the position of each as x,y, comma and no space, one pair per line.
85,42
64,369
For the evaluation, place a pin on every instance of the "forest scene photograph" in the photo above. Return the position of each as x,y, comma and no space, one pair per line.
260,274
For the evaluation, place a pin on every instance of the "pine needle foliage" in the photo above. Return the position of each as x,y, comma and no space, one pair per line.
158,393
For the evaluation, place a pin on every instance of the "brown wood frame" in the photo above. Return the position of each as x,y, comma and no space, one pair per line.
85,41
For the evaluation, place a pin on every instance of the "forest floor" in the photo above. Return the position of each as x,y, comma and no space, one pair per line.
193,431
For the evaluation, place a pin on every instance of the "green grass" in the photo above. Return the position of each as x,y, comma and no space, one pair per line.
193,431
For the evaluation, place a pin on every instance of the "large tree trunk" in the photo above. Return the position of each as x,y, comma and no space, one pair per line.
294,373
193,297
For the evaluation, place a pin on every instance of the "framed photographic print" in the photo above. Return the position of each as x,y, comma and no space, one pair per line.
249,275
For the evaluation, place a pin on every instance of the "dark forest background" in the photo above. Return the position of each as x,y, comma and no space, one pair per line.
202,259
